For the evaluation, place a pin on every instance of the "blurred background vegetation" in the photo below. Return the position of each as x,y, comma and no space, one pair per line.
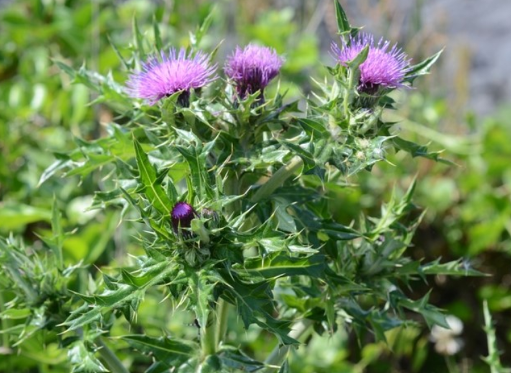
468,204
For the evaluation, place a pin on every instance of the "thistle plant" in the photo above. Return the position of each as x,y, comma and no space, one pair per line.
228,191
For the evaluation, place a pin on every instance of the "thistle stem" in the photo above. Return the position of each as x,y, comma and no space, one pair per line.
348,96
4,324
221,321
277,179
279,354
451,365
208,336
113,363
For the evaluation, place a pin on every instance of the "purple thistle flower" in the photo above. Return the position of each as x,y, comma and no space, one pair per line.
172,73
383,67
252,68
182,215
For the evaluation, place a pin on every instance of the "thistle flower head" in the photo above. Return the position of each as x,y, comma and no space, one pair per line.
182,215
385,66
173,72
252,68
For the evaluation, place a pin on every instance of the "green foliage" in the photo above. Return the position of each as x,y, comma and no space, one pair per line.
270,260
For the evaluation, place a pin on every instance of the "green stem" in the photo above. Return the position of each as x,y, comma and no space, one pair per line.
113,363
232,187
221,321
27,288
451,365
208,336
4,324
493,354
279,353
348,96
277,179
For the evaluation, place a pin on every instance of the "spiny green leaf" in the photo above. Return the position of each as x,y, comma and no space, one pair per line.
454,268
343,24
421,68
236,359
281,265
431,314
200,294
83,360
173,352
154,191
58,234
138,40
417,150
196,38
157,35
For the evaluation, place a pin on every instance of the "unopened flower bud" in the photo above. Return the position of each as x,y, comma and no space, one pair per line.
252,68
182,215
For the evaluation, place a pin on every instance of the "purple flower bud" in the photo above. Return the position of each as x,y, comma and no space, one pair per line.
252,68
170,74
182,215
383,67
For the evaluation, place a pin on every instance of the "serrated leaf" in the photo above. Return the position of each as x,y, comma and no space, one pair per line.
431,314
200,296
157,35
343,24
284,368
138,40
306,156
255,305
417,150
153,191
313,128
58,234
196,38
236,359
15,314
170,351
83,360
421,68
454,268
56,166
198,170
280,265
